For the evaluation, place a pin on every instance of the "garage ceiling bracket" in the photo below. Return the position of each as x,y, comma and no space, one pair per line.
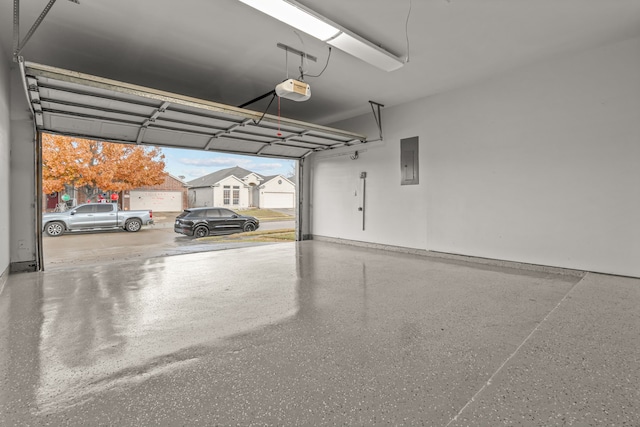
150,120
17,45
234,127
260,151
299,134
226,131
16,29
230,129
378,116
343,144
282,140
210,142
301,54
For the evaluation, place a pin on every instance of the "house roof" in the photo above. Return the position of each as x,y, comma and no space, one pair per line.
236,171
168,179
176,178
215,177
269,178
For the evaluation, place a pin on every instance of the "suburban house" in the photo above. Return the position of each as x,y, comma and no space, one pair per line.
170,196
237,187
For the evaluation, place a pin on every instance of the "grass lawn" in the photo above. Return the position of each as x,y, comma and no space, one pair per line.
266,214
283,235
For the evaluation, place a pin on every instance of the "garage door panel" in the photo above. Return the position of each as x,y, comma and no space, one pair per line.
154,136
118,131
278,200
97,108
68,124
159,201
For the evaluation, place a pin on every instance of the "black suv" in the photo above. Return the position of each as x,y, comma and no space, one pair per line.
200,222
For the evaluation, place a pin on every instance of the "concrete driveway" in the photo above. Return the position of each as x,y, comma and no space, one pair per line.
113,246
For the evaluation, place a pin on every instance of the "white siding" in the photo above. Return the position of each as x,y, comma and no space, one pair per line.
277,193
201,197
232,182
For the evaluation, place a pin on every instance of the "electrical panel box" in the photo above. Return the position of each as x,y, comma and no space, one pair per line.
409,170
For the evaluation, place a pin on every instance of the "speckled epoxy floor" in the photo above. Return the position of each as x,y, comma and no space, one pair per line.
315,333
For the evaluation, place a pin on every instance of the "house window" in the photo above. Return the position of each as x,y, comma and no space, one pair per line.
226,194
236,195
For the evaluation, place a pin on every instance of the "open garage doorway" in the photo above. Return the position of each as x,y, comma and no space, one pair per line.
121,180
65,102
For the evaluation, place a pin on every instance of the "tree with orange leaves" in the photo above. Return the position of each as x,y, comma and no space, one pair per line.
96,166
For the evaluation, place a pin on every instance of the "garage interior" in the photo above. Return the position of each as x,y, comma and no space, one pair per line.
468,240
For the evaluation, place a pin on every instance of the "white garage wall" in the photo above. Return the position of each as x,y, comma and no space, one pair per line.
4,165
22,230
539,166
393,214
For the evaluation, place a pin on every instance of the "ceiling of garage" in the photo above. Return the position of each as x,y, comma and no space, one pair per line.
225,52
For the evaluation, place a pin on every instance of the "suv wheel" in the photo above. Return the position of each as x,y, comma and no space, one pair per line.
201,231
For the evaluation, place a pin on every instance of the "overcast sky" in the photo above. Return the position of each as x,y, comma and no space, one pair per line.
193,164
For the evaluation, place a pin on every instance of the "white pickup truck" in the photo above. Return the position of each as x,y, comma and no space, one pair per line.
94,216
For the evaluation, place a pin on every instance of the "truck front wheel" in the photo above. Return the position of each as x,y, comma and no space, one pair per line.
133,225
54,229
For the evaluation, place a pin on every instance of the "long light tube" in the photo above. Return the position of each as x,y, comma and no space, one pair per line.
296,16
368,52
304,19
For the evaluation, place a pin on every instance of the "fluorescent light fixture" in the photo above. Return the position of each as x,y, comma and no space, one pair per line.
304,19
367,51
295,15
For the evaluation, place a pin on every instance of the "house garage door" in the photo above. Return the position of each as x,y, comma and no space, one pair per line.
161,201
278,200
